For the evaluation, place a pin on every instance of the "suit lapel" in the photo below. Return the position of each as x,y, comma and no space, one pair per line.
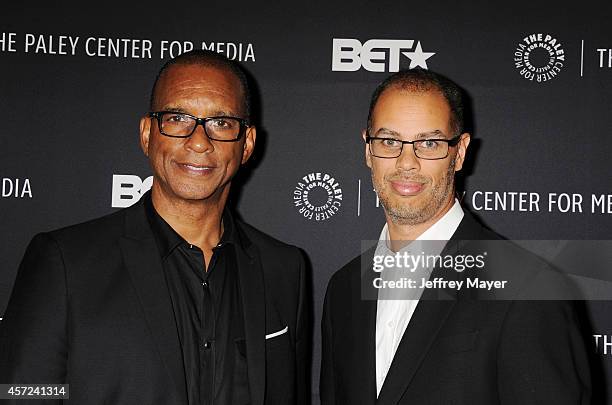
426,321
433,309
252,292
142,261
365,330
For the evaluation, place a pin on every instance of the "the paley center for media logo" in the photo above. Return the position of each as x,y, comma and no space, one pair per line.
317,196
539,57
377,55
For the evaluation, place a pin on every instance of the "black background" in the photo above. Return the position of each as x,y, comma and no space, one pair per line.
69,122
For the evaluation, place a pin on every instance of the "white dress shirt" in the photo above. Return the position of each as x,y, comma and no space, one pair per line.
393,313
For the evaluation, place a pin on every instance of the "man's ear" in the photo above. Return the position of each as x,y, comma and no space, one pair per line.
462,146
145,133
249,143
368,157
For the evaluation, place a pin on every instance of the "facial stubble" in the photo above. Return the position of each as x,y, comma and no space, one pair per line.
408,214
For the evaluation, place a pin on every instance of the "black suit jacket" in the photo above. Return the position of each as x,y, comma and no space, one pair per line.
459,350
90,307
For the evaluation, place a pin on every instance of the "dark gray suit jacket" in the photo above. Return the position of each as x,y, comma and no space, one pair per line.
459,350
90,307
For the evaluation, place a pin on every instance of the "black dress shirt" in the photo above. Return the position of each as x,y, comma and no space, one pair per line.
208,312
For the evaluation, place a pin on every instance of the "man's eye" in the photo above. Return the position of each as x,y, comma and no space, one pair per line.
429,144
392,143
176,118
222,123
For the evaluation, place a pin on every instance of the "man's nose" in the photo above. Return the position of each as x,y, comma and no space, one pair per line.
408,160
198,141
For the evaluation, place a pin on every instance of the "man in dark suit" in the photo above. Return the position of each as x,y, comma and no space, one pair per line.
448,345
173,300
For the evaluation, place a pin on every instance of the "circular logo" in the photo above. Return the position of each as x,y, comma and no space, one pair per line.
317,196
539,57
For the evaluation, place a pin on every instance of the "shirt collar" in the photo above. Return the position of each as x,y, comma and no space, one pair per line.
168,239
441,232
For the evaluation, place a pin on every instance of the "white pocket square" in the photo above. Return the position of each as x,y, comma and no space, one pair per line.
275,334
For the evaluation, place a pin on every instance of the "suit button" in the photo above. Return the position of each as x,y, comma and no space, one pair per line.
205,284
207,345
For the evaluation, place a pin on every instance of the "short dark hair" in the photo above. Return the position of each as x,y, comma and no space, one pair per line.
421,80
203,57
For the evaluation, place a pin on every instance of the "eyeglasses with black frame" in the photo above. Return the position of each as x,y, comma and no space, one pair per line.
428,149
181,125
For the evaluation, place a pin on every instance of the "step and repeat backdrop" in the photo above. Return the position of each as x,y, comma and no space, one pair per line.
74,83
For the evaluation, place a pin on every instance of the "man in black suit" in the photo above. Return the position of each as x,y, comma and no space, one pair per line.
173,300
450,345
